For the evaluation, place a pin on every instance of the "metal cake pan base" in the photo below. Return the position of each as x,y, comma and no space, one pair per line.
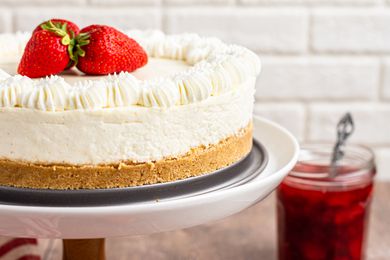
240,172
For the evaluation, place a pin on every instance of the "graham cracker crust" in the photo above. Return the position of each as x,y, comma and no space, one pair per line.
198,161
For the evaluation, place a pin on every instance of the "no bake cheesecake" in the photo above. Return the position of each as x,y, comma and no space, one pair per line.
187,112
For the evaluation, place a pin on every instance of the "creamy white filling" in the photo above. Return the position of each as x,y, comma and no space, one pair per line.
134,133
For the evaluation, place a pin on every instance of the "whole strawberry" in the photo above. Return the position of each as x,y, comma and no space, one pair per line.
47,52
68,26
105,50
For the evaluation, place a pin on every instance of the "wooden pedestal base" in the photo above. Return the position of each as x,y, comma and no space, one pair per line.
83,249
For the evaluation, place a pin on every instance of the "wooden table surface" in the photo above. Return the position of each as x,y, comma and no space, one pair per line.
250,234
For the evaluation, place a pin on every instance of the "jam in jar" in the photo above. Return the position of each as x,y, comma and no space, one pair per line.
322,217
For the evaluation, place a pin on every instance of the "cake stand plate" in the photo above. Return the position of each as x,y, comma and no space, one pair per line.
141,218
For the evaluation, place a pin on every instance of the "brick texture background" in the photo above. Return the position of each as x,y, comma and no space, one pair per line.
321,58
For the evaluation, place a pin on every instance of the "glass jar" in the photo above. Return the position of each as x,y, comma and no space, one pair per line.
325,218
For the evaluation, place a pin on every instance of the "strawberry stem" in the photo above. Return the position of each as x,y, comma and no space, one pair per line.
73,42
60,29
65,40
81,40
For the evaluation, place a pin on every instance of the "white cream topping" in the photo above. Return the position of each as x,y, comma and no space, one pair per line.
194,86
14,89
201,48
159,93
122,90
49,94
216,68
88,95
111,135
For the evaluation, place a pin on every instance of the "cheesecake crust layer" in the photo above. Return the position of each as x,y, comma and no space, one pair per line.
198,161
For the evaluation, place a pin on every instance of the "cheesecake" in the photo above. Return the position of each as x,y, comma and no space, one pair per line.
186,113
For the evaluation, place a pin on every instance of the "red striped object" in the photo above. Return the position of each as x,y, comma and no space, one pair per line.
18,249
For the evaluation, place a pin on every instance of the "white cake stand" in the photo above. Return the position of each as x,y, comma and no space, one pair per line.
87,223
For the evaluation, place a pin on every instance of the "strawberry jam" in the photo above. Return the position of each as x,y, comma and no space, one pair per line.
322,217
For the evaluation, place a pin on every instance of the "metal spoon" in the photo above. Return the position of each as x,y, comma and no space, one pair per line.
345,128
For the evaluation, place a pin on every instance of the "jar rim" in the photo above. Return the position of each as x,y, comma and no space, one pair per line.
357,166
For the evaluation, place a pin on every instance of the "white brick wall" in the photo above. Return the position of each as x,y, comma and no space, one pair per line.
198,2
5,20
311,2
383,162
263,30
134,17
57,3
320,57
350,30
386,79
289,115
371,120
124,2
319,78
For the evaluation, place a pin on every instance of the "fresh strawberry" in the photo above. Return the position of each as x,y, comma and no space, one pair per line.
47,52
71,28
105,50
65,25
